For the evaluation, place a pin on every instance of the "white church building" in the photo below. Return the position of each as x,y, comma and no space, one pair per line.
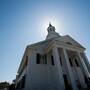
57,63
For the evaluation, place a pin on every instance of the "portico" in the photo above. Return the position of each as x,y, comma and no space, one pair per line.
70,65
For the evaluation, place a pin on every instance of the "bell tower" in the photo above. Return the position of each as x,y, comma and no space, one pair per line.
51,32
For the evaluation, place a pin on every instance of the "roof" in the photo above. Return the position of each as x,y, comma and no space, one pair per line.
65,39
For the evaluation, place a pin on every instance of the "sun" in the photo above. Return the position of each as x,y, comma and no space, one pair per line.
53,22
45,24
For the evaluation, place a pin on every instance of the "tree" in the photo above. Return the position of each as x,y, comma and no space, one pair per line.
4,85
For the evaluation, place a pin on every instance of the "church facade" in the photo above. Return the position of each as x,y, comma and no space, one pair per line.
57,63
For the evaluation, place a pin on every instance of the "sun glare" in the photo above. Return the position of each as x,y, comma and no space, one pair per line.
54,23
45,23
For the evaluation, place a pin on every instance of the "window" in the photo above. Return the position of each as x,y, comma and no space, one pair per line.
78,84
23,81
52,60
67,84
60,60
26,62
70,62
69,43
65,79
76,63
38,56
41,59
44,59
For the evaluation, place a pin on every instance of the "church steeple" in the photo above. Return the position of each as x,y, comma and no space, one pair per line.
51,28
51,32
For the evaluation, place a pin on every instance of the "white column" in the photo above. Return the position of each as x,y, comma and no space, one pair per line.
86,61
83,66
59,68
79,73
69,70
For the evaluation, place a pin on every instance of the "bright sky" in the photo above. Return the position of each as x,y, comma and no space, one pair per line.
23,22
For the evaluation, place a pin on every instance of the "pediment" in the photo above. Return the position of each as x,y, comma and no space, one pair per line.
69,40
62,39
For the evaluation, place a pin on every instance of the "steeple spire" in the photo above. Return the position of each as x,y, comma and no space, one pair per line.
51,32
51,28
50,24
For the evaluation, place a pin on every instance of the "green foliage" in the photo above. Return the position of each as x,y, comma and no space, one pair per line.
4,85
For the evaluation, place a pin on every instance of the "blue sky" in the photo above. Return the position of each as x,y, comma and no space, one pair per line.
24,22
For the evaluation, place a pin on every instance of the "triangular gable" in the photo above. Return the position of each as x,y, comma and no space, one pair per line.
69,40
